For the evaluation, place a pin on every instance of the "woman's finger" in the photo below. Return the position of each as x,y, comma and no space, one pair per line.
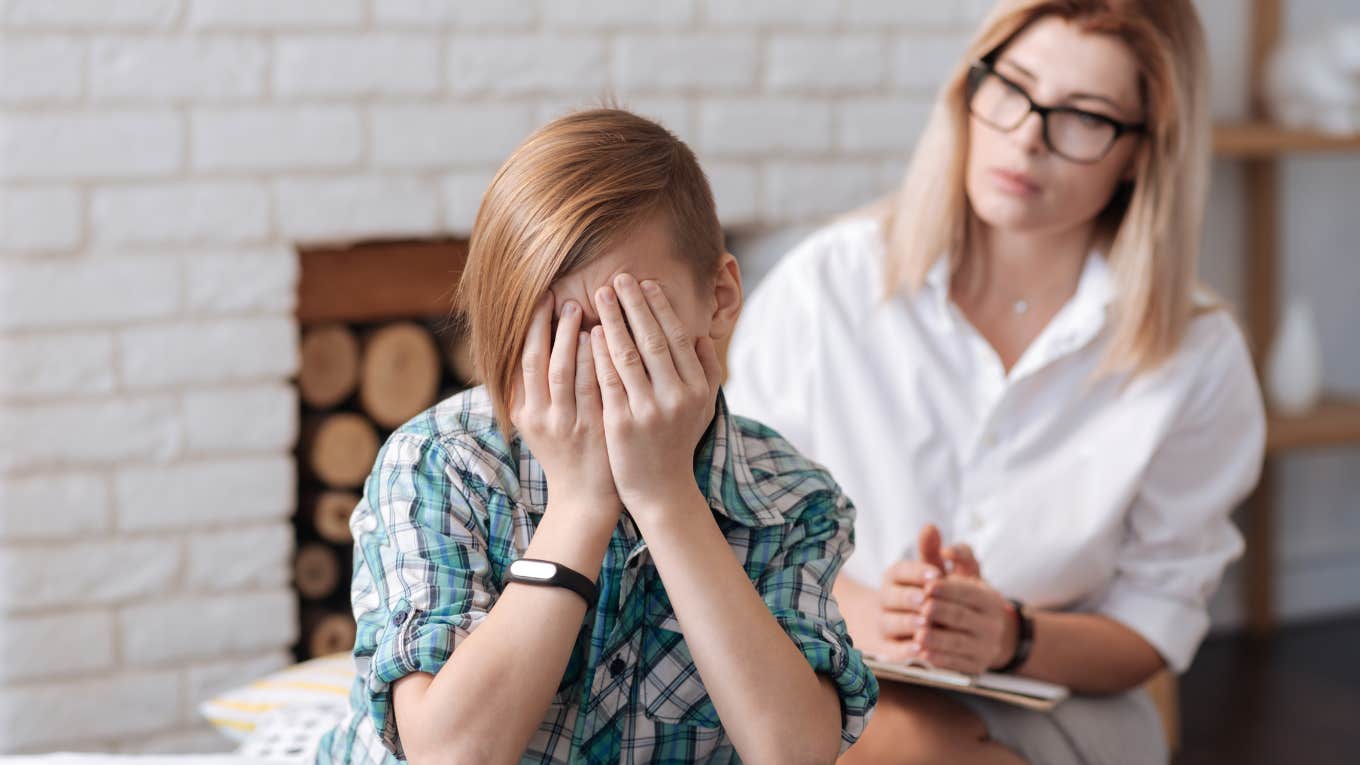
587,389
901,598
913,572
957,662
613,394
966,592
650,338
899,625
627,360
562,361
901,651
928,546
934,638
952,616
684,354
534,358
964,563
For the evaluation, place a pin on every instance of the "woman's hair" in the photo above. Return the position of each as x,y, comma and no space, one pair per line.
1150,230
573,189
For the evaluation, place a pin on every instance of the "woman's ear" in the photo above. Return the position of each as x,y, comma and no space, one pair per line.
727,299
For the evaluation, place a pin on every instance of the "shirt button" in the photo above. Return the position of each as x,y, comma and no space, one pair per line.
617,666
399,618
990,440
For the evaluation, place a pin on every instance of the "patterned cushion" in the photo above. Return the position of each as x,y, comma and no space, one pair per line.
321,682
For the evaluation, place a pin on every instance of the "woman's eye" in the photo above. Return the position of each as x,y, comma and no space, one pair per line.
1091,120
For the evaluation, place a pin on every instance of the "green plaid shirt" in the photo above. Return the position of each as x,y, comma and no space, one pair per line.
449,505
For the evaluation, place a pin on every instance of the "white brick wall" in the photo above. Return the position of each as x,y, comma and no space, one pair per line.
160,162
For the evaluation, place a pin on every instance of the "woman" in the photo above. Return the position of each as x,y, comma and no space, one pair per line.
587,559
1013,355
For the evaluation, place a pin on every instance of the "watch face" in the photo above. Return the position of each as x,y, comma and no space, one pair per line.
533,569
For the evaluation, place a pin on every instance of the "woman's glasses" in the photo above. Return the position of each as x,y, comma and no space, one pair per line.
1073,134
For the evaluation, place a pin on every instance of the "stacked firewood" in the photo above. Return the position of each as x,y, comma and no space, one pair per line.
357,384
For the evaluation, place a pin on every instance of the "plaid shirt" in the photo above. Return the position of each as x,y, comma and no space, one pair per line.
449,505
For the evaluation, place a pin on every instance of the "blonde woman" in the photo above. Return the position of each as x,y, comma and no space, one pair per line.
1043,420
587,559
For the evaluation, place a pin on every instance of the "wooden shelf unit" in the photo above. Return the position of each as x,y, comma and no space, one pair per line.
1334,422
1260,146
1261,139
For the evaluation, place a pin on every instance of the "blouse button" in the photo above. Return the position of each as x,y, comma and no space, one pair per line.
617,666
399,618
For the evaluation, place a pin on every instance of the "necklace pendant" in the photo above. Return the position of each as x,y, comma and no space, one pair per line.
1020,307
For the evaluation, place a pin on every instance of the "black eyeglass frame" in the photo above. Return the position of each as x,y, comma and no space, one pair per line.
981,69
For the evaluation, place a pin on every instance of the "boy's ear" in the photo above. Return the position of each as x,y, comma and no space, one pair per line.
727,300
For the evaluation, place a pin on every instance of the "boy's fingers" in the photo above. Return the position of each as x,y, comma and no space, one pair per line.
651,340
587,389
534,357
562,361
683,349
625,359
612,392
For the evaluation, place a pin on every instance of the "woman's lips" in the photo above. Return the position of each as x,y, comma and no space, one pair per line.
1018,184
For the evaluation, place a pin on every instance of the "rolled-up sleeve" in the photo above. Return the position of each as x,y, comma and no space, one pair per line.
796,587
422,570
1179,536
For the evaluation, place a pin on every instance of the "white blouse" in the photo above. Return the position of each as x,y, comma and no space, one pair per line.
1074,495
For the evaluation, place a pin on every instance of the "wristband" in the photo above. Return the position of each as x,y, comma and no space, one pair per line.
543,573
1024,638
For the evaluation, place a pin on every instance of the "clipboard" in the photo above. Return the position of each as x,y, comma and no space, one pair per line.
1020,691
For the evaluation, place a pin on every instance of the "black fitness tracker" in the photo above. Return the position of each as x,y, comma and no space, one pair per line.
1024,637
544,573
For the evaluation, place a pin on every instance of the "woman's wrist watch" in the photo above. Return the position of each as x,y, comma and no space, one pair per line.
543,573
1024,638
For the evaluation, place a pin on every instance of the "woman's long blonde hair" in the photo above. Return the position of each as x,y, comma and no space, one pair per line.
570,191
1150,231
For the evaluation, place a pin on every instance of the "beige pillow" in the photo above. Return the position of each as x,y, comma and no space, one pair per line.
321,682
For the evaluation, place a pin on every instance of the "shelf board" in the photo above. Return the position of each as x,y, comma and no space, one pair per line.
1334,421
1262,139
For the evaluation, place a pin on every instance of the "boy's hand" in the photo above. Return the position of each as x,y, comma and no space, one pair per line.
556,408
658,393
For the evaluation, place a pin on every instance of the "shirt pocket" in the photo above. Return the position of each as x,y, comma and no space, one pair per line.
672,692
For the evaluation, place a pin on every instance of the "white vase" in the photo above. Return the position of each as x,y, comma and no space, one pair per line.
1294,368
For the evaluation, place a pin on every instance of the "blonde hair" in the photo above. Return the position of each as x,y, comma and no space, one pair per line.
574,188
1151,228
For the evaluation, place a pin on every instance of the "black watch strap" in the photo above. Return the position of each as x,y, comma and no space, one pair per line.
1024,638
544,573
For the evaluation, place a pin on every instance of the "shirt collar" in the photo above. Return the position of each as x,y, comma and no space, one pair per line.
1094,292
721,470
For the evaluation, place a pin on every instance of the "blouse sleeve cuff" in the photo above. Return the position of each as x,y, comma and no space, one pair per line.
1173,627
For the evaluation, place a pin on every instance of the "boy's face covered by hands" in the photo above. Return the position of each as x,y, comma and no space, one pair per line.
646,254
620,367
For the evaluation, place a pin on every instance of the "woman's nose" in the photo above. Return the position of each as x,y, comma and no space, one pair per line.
1029,134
